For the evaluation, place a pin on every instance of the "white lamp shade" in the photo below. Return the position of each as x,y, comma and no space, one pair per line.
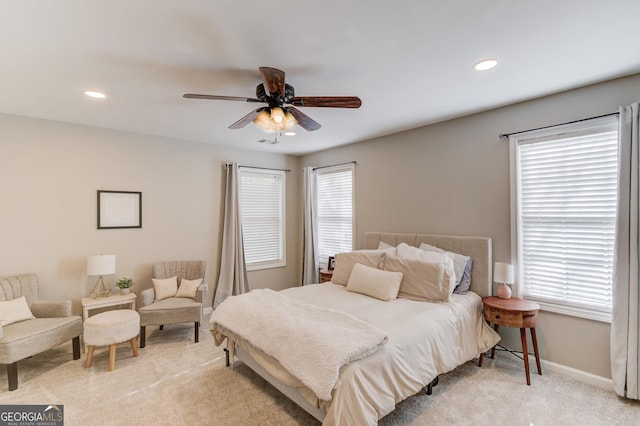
503,273
101,264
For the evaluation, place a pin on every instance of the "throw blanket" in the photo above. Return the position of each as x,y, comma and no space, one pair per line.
311,342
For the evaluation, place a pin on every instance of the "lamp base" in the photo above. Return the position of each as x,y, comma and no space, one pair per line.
100,289
504,292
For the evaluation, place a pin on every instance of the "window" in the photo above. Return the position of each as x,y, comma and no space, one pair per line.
262,201
334,211
564,193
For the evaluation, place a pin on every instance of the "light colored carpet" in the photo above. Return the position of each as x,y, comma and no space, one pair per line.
175,381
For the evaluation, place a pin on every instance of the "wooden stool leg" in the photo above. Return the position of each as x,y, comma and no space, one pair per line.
134,346
90,349
496,327
112,357
525,355
535,348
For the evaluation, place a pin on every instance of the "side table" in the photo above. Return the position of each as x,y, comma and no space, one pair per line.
514,312
89,303
326,275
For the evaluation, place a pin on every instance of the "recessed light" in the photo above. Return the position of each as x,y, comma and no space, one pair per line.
485,64
94,94
289,133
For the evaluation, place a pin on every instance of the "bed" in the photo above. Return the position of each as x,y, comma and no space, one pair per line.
422,339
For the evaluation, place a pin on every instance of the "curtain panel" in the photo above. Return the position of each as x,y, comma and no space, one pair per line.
309,261
233,271
625,324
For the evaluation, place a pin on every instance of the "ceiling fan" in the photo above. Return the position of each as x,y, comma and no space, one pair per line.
281,113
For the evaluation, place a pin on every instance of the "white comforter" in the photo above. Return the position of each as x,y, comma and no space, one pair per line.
321,340
425,340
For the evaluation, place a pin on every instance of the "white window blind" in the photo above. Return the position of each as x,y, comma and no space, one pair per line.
334,211
262,200
566,208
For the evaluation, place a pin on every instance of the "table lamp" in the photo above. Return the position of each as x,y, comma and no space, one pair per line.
99,265
503,274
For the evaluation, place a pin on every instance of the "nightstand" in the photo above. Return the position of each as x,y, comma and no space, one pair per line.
326,275
89,303
514,312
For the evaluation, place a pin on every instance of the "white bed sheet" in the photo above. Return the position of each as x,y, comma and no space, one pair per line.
425,340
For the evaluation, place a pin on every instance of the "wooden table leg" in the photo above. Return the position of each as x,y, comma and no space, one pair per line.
525,355
535,348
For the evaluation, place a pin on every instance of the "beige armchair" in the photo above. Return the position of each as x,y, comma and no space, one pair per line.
172,310
53,324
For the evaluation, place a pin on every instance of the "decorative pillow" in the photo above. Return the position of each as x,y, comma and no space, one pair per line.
424,281
374,282
462,265
166,287
465,282
406,251
14,310
384,246
346,261
188,288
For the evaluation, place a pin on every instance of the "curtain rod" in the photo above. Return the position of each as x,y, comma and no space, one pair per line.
506,135
333,165
259,168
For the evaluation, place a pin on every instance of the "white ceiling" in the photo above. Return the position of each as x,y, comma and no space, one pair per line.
409,61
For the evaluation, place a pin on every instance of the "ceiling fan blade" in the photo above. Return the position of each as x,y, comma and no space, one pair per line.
273,80
220,98
304,120
327,101
245,120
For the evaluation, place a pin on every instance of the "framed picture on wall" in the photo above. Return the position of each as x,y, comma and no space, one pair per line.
331,263
119,209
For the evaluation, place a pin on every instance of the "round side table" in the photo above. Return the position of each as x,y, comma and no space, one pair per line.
518,313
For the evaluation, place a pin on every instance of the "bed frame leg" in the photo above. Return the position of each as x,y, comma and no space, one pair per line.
431,385
226,353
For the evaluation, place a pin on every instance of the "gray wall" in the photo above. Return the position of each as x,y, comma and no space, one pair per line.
453,178
48,180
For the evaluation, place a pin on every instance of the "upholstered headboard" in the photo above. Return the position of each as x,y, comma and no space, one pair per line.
478,248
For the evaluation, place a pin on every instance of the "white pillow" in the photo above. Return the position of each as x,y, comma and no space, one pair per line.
166,287
374,282
346,261
14,310
188,288
384,246
426,281
406,251
459,260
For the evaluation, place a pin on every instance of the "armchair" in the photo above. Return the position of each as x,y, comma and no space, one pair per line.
50,324
172,310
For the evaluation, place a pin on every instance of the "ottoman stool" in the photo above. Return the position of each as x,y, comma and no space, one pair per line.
110,328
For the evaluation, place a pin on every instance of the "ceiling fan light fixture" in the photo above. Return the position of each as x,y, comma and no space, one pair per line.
275,119
289,121
263,120
277,115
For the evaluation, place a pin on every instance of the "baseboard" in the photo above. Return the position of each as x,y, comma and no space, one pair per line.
579,375
573,373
